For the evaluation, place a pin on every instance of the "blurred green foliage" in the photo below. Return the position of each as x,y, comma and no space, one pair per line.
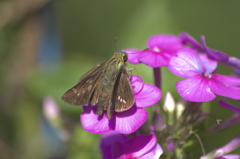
87,30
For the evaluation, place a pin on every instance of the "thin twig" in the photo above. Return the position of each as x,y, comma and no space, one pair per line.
200,141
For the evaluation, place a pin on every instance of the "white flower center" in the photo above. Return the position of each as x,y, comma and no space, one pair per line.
156,49
207,75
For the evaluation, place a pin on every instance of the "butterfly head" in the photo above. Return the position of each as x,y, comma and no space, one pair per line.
121,55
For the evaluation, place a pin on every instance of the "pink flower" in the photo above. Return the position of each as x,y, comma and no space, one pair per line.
127,121
161,49
202,84
118,146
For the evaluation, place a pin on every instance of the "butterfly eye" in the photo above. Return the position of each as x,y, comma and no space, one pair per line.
125,57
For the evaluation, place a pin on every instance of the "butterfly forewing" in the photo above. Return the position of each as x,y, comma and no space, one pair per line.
124,98
82,92
93,71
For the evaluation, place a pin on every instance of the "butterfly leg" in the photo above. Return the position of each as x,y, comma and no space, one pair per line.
129,71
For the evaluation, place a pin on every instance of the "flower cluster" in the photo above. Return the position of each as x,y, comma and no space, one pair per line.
129,134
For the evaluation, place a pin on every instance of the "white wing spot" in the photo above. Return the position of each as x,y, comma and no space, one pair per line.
78,94
119,97
124,101
89,87
75,91
121,100
89,81
83,91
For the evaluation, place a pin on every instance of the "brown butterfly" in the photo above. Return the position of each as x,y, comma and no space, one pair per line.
106,84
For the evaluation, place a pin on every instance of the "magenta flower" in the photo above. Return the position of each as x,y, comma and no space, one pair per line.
161,49
212,54
202,84
127,121
118,146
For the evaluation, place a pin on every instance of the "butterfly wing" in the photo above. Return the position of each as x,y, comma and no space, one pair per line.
107,87
82,92
124,98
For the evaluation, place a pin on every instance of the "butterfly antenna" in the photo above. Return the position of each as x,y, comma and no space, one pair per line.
115,41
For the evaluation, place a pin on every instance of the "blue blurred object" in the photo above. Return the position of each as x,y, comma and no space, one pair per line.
50,46
52,145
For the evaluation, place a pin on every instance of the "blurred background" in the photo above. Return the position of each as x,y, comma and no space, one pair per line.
47,45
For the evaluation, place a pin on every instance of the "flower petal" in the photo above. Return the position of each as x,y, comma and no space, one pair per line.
235,64
231,156
133,55
110,137
166,43
195,89
208,64
107,141
214,54
227,80
158,123
155,153
149,95
230,146
128,121
185,63
187,38
92,122
137,84
233,120
117,151
154,59
224,90
229,106
139,145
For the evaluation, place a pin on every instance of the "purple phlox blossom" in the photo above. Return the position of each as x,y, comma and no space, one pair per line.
170,145
202,84
125,122
161,49
158,123
234,63
118,146
212,54
220,152
233,120
230,156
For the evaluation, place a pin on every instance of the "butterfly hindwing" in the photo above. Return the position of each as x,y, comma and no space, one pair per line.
82,92
124,98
